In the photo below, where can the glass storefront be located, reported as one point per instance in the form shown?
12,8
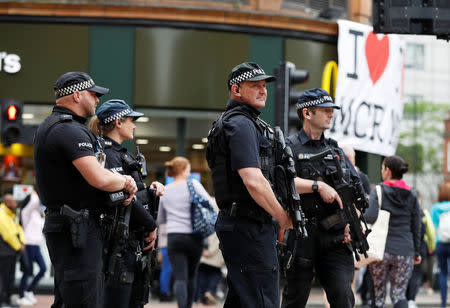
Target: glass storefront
176,77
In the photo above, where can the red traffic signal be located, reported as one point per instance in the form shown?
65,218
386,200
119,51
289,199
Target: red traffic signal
11,121
11,112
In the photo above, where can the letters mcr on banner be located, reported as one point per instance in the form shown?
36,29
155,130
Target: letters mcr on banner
369,89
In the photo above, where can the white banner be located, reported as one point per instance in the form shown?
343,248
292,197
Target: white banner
369,89
21,191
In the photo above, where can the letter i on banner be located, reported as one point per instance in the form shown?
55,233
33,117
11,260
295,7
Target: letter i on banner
369,89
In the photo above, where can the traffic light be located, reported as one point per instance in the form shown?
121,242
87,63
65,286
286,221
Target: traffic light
430,17
11,118
286,96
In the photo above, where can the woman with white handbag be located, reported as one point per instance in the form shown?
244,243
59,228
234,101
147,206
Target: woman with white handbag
402,248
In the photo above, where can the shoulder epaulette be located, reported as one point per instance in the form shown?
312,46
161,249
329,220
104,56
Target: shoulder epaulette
65,117
293,139
55,120
240,110
333,142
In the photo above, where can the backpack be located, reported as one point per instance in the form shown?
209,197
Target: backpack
443,230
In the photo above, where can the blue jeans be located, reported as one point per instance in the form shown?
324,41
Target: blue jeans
443,256
207,280
166,272
32,254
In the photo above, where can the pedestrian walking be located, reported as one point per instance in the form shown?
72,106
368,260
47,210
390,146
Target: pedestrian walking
184,248
440,214
12,243
402,249
33,223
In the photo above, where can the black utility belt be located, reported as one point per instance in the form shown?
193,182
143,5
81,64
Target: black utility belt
248,210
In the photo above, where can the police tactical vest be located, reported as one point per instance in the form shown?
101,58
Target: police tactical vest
87,196
228,185
321,169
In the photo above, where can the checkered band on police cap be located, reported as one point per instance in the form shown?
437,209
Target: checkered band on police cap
84,85
315,97
246,75
71,82
115,116
323,99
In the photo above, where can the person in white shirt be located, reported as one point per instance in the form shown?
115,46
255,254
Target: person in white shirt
32,222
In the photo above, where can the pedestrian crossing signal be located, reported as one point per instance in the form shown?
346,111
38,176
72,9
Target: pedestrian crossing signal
11,121
12,113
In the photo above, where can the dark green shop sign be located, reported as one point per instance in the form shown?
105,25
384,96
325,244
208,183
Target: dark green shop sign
9,62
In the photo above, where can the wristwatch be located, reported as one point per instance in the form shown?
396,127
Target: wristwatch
315,187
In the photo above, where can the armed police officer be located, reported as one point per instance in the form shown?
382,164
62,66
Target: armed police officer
239,155
125,229
325,251
72,183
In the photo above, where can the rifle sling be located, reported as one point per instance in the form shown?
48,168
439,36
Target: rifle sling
331,221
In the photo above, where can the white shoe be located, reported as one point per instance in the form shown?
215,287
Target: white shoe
23,301
30,296
412,304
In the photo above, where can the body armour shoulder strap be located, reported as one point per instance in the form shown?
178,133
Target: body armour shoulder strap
259,124
52,121
295,143
263,127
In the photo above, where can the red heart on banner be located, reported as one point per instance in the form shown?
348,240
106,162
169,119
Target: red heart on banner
377,55
25,189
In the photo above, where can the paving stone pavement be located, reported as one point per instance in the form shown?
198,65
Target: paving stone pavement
424,299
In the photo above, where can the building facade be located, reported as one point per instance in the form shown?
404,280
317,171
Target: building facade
168,59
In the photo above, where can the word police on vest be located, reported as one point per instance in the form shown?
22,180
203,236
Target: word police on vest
84,144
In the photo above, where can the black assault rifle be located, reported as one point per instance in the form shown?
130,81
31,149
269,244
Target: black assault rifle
353,198
146,260
284,187
118,233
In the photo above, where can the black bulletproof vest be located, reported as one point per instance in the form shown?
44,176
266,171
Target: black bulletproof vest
321,169
228,185
57,180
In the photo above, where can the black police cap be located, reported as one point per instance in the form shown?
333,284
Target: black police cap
70,82
114,109
247,71
315,97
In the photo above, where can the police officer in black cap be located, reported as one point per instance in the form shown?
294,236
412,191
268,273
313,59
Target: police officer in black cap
114,121
239,155
324,252
71,182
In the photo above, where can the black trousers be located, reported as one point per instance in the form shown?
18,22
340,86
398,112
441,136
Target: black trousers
78,272
120,296
332,263
7,271
414,283
249,250
185,251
